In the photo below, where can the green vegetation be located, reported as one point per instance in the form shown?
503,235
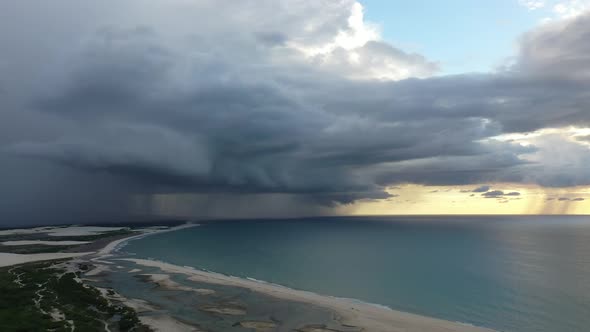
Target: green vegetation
33,293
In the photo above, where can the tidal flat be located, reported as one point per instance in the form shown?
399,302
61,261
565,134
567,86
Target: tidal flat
213,307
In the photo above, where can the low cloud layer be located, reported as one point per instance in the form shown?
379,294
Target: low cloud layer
188,97
481,189
566,199
500,194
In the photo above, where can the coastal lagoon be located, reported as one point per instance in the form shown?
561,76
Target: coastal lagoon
506,273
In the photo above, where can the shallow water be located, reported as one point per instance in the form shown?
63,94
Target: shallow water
506,273
186,306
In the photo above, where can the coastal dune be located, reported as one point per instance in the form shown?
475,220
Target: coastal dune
370,317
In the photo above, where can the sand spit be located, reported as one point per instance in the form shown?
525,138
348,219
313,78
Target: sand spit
258,326
224,309
203,291
163,323
370,317
39,242
83,230
315,328
7,259
164,281
109,248
61,230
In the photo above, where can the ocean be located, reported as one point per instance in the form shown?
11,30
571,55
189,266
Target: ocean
507,273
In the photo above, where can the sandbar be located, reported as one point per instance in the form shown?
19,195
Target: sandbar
353,313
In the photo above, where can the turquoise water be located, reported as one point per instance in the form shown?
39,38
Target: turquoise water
186,306
507,273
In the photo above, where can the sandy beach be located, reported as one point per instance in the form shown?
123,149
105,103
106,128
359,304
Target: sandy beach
370,317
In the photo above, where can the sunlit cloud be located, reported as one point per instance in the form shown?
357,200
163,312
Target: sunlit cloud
511,199
532,4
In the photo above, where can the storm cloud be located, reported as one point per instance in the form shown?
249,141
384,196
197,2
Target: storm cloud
264,98
481,189
500,194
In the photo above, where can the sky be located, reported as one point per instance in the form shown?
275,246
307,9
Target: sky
120,110
483,33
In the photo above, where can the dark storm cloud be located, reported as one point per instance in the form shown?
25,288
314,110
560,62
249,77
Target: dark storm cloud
186,97
515,102
236,135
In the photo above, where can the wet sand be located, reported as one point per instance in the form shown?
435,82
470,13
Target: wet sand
363,315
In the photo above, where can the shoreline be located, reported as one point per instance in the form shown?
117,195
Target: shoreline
351,312
371,317
119,243
12,259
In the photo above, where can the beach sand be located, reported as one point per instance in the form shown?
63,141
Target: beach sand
163,323
164,281
111,246
8,259
370,317
39,242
